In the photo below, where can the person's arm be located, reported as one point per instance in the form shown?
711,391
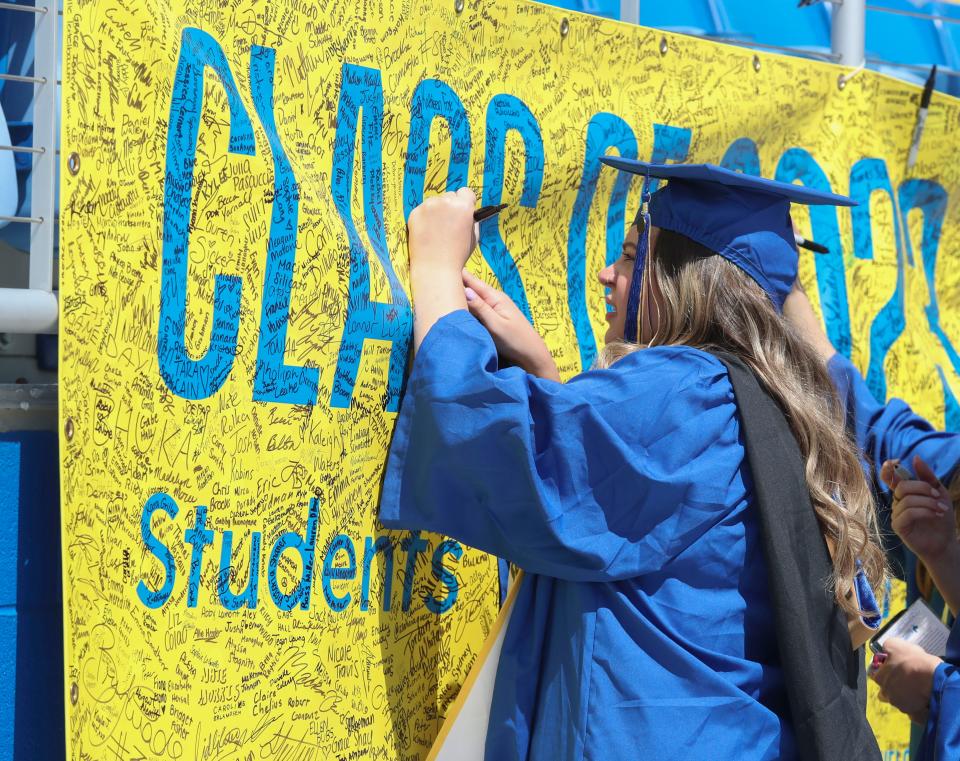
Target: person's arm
927,690
441,235
941,740
905,677
883,430
607,476
440,238
924,517
945,571
515,338
798,311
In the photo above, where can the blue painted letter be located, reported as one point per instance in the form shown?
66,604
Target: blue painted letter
274,380
867,176
669,144
797,164
506,113
362,89
447,578
341,542
149,597
200,537
742,156
414,546
291,540
931,199
185,376
431,99
248,598
604,131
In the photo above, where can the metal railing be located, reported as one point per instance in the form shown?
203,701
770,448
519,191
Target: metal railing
914,14
34,309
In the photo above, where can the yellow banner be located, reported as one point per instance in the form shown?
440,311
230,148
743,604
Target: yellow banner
236,320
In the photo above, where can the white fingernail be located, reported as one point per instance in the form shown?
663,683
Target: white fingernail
471,294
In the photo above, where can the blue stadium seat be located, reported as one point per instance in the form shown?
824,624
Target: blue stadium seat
903,39
16,103
17,47
8,175
606,8
950,37
781,23
687,16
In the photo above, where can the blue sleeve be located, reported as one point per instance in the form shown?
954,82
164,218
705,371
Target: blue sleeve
604,477
892,430
941,738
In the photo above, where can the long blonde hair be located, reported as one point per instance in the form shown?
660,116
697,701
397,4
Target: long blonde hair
710,304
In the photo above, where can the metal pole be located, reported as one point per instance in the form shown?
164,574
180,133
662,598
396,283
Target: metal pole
848,31
43,178
630,11
23,310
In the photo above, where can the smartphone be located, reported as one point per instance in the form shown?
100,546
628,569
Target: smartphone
902,473
917,624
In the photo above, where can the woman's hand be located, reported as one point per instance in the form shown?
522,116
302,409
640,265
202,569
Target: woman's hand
516,339
440,238
923,514
441,233
906,678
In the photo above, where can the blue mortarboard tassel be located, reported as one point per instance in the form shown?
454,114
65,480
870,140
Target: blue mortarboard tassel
866,599
631,330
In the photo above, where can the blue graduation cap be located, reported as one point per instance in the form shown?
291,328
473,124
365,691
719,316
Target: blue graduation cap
743,218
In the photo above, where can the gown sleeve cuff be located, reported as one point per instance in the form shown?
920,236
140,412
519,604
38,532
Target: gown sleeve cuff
448,346
456,344
936,696
839,368
890,429
845,378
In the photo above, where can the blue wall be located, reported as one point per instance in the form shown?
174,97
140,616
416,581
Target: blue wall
31,629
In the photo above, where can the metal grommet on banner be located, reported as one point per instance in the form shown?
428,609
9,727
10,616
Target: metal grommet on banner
68,429
564,28
74,693
73,163
458,6
663,46
756,63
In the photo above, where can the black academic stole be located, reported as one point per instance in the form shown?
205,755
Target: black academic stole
824,676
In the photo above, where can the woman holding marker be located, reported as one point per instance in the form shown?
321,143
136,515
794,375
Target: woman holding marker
690,517
923,517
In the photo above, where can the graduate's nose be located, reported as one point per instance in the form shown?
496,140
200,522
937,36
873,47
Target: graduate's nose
605,276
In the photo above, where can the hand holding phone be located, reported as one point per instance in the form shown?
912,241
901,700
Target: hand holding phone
917,624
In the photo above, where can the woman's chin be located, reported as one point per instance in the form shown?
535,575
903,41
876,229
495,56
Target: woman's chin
614,332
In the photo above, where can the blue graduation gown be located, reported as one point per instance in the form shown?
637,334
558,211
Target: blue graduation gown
888,431
891,430
643,628
941,738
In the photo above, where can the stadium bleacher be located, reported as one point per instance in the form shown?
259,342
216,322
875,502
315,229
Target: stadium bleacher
904,38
